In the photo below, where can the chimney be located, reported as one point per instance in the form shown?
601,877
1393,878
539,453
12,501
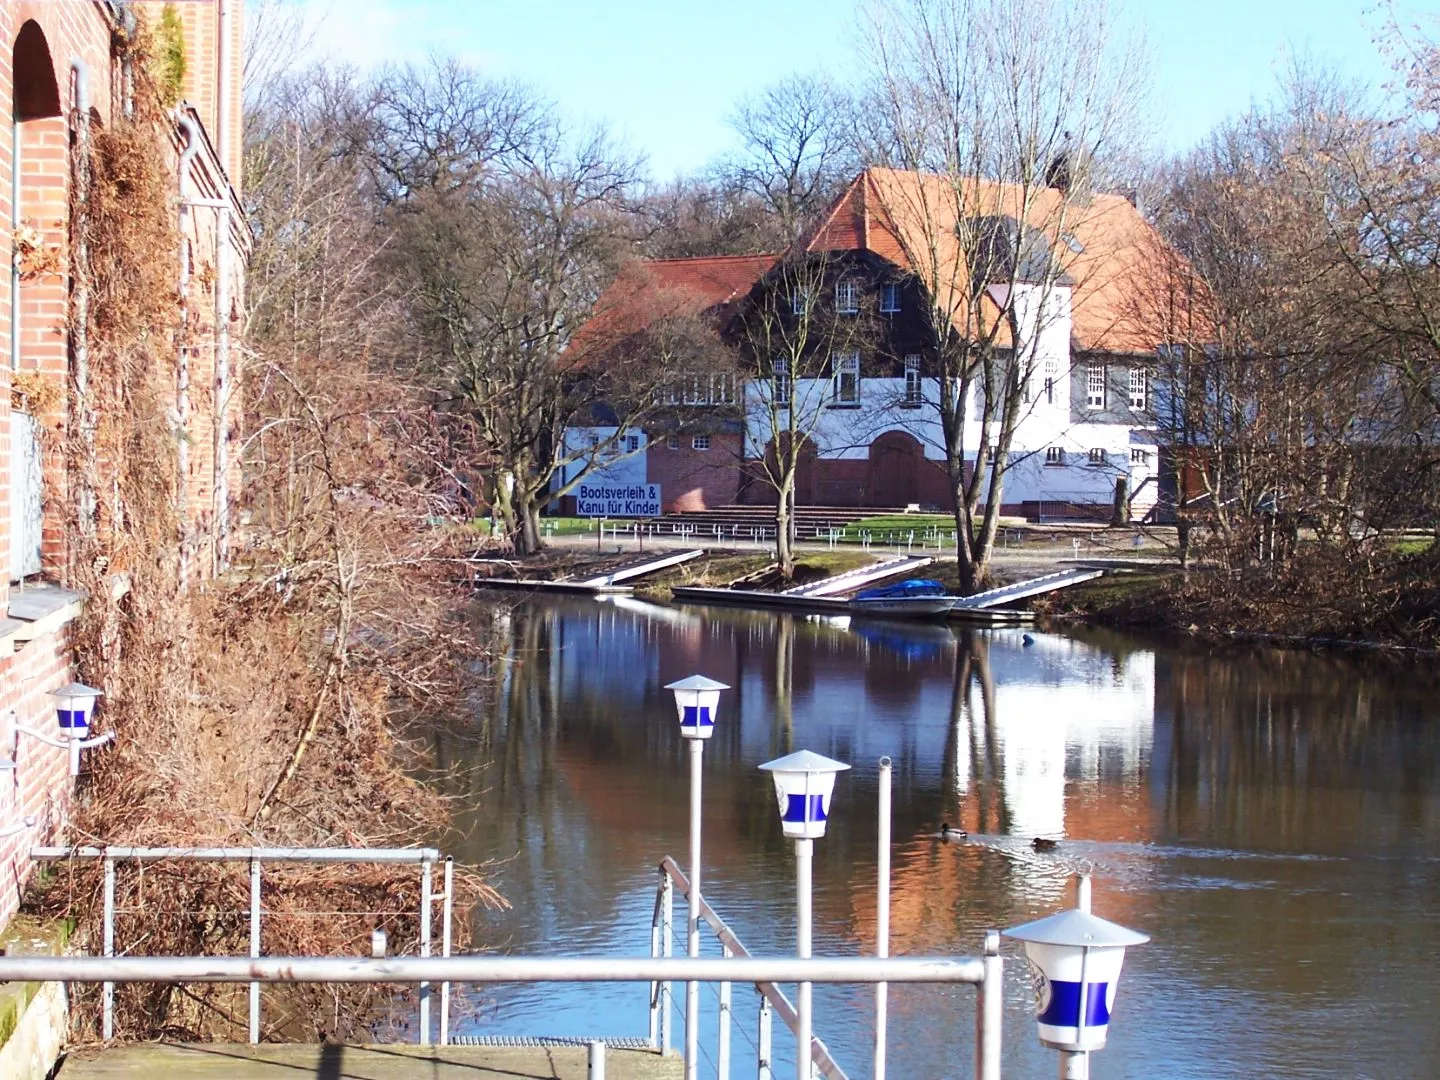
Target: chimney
1057,173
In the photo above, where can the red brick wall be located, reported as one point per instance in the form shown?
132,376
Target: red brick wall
80,29
695,479
40,784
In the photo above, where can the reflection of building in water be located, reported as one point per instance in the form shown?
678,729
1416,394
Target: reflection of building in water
1056,709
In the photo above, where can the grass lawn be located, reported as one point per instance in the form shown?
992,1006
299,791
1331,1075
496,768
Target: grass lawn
919,522
1414,546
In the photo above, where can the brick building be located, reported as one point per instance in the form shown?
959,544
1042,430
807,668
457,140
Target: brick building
64,75
1069,301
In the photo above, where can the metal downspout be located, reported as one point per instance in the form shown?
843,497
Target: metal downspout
182,350
221,520
225,62
82,414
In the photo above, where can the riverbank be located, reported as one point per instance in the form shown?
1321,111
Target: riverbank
1397,606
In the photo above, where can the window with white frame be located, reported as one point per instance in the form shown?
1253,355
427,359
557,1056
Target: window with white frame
799,301
700,442
1052,376
890,297
1054,455
780,385
1139,388
847,296
912,380
846,390
1098,456
673,442
1138,456
1095,386
632,443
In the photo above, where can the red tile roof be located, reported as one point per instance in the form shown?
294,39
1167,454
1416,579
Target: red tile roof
648,290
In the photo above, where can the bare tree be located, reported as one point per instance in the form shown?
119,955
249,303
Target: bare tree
1006,112
797,338
506,227
798,149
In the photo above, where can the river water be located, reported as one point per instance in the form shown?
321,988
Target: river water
1271,819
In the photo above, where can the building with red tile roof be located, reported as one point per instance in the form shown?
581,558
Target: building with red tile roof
893,241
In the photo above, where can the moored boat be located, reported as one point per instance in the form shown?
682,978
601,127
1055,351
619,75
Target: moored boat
915,598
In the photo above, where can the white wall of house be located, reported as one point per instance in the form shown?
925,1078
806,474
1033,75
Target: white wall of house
600,460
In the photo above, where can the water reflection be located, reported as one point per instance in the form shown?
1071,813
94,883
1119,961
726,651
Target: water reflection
1271,820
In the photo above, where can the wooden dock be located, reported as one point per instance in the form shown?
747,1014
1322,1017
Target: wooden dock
294,1061
606,584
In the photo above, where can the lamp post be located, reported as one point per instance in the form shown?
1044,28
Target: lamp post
697,700
73,707
1075,959
804,782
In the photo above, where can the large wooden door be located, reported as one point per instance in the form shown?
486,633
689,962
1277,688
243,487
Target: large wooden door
895,459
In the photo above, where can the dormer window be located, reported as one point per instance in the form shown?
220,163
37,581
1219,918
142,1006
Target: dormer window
890,297
847,296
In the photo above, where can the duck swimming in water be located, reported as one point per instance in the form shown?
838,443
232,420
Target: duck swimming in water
950,833
1044,843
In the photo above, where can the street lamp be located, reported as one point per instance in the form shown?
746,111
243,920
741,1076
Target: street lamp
74,705
697,700
804,782
1075,959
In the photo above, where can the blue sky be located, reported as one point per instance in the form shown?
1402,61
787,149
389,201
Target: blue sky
664,75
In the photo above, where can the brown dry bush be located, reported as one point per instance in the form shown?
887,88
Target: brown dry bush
259,708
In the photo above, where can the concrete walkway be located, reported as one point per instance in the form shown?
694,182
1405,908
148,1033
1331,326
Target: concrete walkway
295,1061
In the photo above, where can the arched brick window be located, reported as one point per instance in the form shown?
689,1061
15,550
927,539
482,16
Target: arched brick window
38,198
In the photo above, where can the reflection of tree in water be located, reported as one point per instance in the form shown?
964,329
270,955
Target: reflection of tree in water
975,800
1271,743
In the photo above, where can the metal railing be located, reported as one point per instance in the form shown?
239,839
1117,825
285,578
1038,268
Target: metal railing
256,857
661,969
984,973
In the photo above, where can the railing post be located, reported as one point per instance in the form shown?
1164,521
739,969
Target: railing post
425,949
595,1060
722,1052
107,1008
446,938
667,927
763,1070
655,954
882,915
254,946
991,1012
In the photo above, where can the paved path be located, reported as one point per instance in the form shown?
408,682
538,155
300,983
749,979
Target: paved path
295,1061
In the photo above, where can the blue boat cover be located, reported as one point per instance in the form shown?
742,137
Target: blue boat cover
913,588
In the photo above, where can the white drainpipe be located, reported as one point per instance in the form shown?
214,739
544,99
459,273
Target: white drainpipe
83,414
222,98
182,352
222,300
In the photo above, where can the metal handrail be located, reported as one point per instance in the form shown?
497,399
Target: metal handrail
772,994
256,856
489,969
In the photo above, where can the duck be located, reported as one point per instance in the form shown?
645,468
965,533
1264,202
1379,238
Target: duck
950,833
1044,843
